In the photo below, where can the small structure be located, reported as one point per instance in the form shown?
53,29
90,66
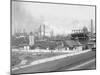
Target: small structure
73,45
24,47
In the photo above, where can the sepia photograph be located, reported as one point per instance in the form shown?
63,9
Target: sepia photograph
52,37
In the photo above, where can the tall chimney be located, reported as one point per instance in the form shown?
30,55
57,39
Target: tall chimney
44,30
40,31
52,33
91,26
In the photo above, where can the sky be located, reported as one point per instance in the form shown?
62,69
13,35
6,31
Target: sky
60,19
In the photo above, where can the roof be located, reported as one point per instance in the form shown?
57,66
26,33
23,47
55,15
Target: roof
22,45
91,42
72,43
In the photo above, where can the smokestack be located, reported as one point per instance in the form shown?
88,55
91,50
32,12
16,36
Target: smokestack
91,26
44,29
52,33
40,31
